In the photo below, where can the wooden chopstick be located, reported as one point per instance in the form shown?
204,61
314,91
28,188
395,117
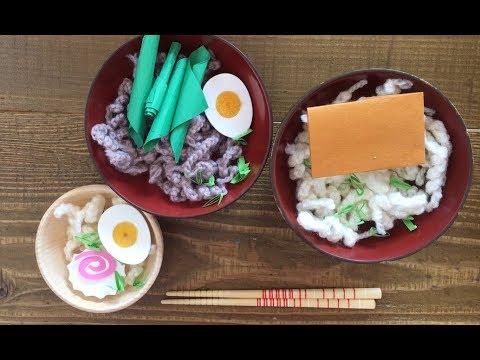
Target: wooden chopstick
297,303
331,293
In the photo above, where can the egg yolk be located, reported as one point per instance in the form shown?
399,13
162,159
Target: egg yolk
228,104
125,234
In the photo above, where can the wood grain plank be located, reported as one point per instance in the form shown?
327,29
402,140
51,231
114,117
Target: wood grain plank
291,65
51,73
243,246
54,73
247,245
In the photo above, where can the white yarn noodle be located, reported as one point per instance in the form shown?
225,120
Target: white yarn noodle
319,199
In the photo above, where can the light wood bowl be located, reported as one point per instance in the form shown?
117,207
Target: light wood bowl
51,239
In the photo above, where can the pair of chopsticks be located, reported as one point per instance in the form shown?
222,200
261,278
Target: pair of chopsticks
331,298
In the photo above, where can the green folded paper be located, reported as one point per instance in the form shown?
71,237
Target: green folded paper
163,121
157,94
191,101
142,83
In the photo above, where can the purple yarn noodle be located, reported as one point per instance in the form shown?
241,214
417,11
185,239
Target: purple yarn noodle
205,152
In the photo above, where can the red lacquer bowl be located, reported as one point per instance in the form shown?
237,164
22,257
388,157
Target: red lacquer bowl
136,189
401,242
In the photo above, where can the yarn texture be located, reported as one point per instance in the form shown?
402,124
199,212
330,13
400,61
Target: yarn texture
206,152
321,199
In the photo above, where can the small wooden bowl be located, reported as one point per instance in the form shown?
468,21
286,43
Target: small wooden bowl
51,239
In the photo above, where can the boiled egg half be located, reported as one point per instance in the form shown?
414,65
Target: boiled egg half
124,233
230,109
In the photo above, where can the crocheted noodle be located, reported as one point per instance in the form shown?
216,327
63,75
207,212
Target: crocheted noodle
206,152
320,200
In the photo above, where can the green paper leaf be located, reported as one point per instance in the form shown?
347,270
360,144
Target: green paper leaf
241,162
408,223
237,178
162,122
91,240
243,171
399,183
215,200
191,100
119,281
307,163
137,283
240,138
142,83
211,181
159,88
374,232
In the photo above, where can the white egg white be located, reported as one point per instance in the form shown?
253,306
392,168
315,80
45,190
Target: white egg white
238,124
131,255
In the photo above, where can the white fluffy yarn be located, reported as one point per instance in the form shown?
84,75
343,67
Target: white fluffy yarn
80,220
320,198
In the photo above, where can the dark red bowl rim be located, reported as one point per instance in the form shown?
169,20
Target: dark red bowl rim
308,95
265,158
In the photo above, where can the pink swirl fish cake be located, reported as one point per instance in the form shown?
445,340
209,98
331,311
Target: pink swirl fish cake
93,273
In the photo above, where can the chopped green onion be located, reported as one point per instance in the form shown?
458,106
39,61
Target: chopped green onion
374,232
91,240
355,182
211,181
358,210
198,177
216,199
240,138
119,281
137,283
344,210
399,183
352,225
408,223
307,163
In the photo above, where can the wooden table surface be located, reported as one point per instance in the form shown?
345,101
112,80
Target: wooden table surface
44,81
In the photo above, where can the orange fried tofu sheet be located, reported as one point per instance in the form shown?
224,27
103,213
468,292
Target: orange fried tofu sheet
380,132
